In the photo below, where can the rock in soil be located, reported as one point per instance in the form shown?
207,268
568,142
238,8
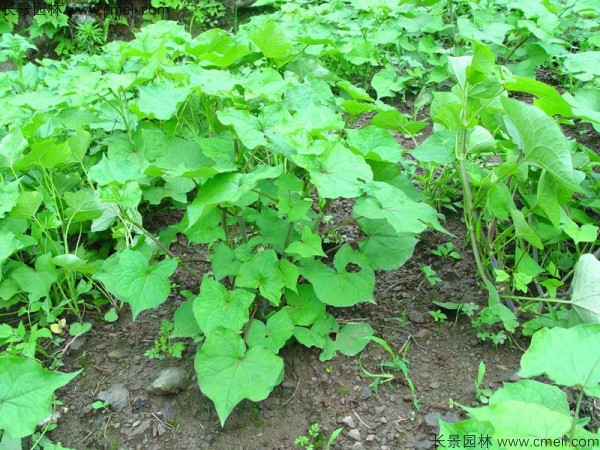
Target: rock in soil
349,420
169,381
117,397
355,434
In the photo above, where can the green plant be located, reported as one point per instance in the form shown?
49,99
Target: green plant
438,316
446,250
14,47
100,405
482,394
88,36
430,275
315,438
568,357
163,346
398,363
468,309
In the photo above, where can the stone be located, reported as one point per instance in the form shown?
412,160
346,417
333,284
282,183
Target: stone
367,393
169,381
355,434
116,354
416,316
431,419
434,384
370,438
116,395
349,420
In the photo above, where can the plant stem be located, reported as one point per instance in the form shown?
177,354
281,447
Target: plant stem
576,416
185,267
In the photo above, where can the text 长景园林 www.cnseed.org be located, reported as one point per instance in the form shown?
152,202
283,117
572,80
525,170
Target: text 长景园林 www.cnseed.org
40,8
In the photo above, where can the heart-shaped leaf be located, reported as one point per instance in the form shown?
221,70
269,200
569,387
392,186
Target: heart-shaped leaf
228,373
586,289
26,394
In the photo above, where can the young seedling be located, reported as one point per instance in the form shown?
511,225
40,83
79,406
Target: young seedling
430,275
482,394
163,346
100,405
438,316
446,251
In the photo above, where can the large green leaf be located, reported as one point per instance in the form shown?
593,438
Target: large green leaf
9,195
271,40
586,288
8,244
140,284
263,272
217,307
38,281
385,248
401,212
337,172
274,334
542,141
161,100
226,187
304,307
227,373
570,357
26,394
339,287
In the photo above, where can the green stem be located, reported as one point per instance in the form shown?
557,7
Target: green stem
536,299
576,416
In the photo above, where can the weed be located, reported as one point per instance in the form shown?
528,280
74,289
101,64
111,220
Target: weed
163,346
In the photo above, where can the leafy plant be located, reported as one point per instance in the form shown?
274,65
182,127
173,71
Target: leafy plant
315,438
446,250
100,405
482,394
568,357
397,364
438,316
430,275
163,346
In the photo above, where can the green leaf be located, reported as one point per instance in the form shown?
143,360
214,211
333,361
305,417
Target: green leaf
375,143
9,196
337,172
387,83
543,142
8,244
468,434
28,204
569,357
119,172
524,230
73,262
586,288
401,212
247,127
339,287
394,120
353,338
226,187
317,335
140,284
83,205
227,373
217,307
263,272
26,394
161,100
185,324
271,40
310,245
531,391
274,334
304,307
384,247
548,98
438,148
12,147
38,281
